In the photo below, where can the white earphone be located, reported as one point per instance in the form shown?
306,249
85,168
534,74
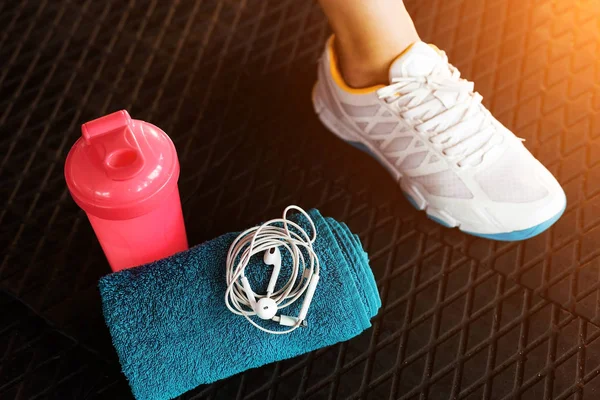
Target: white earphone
304,276
266,308
273,257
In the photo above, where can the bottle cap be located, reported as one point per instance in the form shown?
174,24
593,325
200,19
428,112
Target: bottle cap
121,168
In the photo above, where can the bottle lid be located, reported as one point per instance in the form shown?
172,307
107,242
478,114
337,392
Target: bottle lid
121,168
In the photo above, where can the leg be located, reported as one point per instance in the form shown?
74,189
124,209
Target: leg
369,35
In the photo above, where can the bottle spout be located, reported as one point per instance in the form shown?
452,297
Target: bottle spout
112,139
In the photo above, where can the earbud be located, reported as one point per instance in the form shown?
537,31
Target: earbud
266,308
273,257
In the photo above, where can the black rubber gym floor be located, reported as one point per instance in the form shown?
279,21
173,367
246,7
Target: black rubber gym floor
230,82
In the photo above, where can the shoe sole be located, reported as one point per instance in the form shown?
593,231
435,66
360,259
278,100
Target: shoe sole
331,123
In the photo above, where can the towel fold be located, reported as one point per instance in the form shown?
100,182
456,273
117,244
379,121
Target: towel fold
173,332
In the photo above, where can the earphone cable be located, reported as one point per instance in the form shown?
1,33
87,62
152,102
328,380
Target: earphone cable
291,238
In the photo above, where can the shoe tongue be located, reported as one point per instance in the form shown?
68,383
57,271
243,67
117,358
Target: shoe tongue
418,60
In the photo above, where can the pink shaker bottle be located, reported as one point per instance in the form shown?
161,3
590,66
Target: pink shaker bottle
124,173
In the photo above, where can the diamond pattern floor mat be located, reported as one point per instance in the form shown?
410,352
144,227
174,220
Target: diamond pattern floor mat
37,361
230,82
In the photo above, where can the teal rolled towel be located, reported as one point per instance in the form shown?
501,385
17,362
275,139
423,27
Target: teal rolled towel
173,332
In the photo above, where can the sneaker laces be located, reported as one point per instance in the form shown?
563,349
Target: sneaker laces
462,128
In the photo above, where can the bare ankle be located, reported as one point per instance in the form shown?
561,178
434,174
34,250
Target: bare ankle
370,66
360,75
369,35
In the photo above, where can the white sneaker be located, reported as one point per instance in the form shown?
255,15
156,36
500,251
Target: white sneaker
452,158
